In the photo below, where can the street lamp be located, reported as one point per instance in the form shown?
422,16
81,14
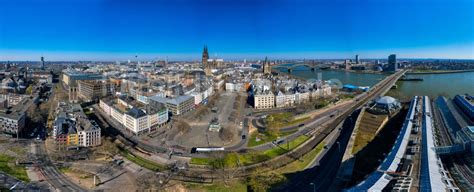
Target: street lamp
314,186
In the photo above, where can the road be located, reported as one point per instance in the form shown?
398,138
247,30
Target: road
243,142
322,171
323,175
51,173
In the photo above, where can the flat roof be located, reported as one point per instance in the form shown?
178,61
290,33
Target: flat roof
172,100
430,176
17,110
471,128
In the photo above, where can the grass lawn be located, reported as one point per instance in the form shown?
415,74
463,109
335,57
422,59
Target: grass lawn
141,161
200,161
7,165
234,159
235,186
293,144
18,150
64,169
304,161
285,119
265,137
252,158
361,140
346,96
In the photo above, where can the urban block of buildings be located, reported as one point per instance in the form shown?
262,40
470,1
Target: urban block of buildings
134,116
286,93
72,128
13,117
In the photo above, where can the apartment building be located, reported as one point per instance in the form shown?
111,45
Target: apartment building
134,116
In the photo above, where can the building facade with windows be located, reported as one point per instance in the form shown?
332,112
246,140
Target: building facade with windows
91,90
72,128
264,100
12,118
134,116
176,105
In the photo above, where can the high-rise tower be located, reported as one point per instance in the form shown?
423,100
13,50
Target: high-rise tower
392,62
42,62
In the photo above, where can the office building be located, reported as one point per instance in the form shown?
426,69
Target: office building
42,63
392,63
466,104
134,116
12,119
90,90
70,77
176,105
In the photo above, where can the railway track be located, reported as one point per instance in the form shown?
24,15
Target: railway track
458,160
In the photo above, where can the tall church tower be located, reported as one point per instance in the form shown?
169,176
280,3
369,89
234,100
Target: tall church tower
267,69
205,64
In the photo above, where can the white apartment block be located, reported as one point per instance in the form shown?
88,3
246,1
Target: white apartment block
90,137
133,118
264,100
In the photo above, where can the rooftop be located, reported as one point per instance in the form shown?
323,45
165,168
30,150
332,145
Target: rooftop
172,100
136,113
17,111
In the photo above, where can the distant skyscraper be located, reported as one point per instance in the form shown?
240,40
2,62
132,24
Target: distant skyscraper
392,62
267,69
42,62
205,63
357,59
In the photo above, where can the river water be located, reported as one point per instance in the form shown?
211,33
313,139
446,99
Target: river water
433,85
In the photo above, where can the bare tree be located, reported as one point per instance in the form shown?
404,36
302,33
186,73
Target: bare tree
226,134
108,148
182,126
152,182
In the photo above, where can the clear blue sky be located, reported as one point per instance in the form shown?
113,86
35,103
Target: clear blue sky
178,29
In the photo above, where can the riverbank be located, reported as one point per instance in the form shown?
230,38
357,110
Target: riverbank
362,71
437,72
358,78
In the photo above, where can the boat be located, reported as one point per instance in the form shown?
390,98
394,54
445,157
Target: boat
411,79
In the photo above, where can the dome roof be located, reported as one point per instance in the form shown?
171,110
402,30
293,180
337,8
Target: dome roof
386,100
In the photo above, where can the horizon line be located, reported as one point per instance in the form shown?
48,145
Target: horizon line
241,59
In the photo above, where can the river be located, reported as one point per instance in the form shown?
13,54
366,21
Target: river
433,85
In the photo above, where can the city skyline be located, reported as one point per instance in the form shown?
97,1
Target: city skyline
107,31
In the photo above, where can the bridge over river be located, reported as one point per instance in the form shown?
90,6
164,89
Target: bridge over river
311,66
